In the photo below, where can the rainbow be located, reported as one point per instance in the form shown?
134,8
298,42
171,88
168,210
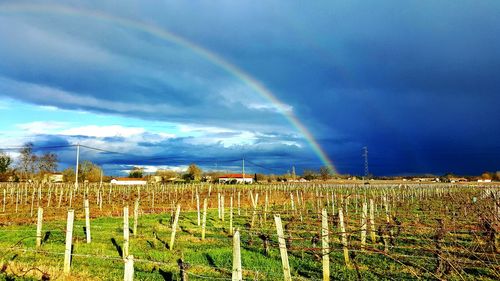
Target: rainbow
206,54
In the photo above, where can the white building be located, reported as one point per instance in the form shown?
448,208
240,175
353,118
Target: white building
129,181
236,178
481,180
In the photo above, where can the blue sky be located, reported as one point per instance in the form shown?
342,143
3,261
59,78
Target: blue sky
415,81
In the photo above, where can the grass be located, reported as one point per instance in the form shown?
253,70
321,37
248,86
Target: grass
212,258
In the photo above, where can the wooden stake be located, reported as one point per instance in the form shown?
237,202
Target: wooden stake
237,271
363,225
174,227
4,199
87,219
372,222
204,219
198,207
344,238
39,228
239,205
325,246
218,205
231,215
129,269
283,252
136,216
222,207
69,241
126,232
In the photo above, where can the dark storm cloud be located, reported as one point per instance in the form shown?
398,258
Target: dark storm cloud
415,81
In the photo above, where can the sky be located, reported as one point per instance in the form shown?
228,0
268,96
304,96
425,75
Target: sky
281,84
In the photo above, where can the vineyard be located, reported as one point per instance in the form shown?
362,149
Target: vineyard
289,231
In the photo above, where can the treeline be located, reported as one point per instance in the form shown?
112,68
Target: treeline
195,174
31,166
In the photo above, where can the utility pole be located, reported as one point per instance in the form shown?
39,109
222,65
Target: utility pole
365,155
76,169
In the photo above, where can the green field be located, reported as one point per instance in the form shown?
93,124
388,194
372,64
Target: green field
429,232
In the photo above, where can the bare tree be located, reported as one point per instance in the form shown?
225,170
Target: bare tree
27,160
47,163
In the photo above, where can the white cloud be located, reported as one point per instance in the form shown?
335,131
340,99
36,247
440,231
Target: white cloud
48,108
152,169
190,128
104,131
41,127
278,108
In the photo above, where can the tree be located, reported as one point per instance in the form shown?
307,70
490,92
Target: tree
69,174
309,174
47,163
5,162
325,172
486,176
27,159
89,171
193,172
167,174
136,172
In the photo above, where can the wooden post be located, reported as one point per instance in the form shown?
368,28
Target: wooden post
198,207
69,241
4,199
129,269
136,216
344,238
204,219
239,205
100,199
333,203
218,205
237,271
372,222
49,197
283,252
39,228
266,205
126,232
231,215
70,197
174,227
255,204
363,225
32,201
153,200
60,198
17,198
222,207
325,246
87,219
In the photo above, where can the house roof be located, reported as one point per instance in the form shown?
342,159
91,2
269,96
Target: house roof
130,179
235,176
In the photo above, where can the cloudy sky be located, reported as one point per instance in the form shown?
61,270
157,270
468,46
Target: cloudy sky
167,83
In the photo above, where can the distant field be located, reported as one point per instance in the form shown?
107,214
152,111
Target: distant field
422,231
